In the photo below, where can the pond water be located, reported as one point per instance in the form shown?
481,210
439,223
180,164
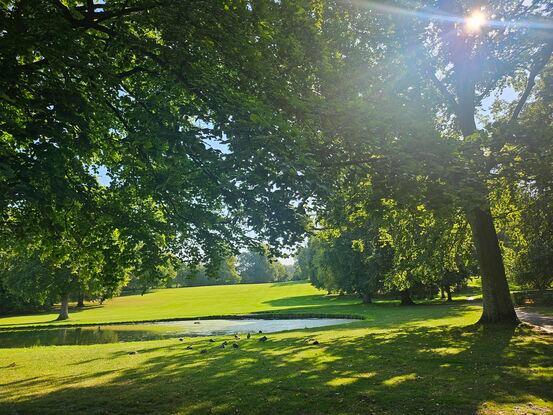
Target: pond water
114,333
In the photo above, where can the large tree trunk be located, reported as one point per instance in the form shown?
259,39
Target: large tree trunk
64,307
405,297
498,306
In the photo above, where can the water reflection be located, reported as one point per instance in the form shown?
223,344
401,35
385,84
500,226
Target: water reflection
153,331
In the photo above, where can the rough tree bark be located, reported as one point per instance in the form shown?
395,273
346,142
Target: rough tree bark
497,303
64,307
498,307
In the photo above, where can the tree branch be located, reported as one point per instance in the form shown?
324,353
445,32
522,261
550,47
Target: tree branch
449,97
541,57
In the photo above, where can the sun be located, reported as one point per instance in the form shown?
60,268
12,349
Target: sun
475,21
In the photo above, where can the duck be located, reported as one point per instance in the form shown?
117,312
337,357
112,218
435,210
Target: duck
211,340
236,336
189,347
181,339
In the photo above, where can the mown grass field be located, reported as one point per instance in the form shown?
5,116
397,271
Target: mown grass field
191,302
399,360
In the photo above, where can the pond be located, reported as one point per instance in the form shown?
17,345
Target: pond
113,333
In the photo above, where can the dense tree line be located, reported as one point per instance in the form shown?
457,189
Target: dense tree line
247,268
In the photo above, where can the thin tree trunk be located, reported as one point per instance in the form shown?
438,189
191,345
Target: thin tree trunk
497,303
442,293
80,300
448,291
405,296
64,307
366,298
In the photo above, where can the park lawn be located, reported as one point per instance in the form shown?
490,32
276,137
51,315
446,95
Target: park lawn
191,302
290,297
398,360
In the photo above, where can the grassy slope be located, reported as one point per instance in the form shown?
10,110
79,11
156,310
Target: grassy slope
419,359
189,302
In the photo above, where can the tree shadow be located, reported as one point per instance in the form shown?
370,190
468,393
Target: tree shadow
397,371
53,310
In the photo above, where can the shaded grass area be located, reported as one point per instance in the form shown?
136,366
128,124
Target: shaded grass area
414,367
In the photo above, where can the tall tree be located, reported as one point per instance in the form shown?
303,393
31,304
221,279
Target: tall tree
173,103
405,85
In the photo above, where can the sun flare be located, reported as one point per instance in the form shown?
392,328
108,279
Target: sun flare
475,21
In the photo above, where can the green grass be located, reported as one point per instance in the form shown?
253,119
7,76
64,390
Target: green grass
192,302
400,360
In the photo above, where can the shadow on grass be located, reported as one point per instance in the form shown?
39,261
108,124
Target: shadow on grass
53,310
423,370
382,314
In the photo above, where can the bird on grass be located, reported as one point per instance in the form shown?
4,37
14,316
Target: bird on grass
222,346
236,336
211,341
189,347
235,346
225,342
133,352
263,339
315,342
248,336
260,331
181,339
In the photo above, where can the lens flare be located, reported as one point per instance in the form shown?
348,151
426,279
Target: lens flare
475,21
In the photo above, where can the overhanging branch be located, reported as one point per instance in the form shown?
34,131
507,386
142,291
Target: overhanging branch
541,57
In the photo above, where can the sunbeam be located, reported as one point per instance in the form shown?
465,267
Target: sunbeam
471,23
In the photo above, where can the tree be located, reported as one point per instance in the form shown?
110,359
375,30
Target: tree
75,249
191,276
357,266
411,86
429,249
174,102
256,267
524,200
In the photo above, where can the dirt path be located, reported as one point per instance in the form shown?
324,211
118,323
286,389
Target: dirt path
545,322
